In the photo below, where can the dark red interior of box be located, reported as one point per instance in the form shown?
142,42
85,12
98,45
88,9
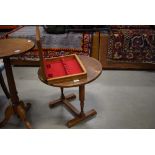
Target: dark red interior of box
62,67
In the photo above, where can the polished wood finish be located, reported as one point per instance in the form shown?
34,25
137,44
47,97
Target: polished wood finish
94,69
59,101
12,47
81,98
40,50
16,106
80,118
95,45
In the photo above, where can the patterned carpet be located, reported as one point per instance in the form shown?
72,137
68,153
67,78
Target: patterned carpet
132,46
54,44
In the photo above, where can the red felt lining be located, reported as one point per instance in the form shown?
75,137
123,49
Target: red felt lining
63,66
72,66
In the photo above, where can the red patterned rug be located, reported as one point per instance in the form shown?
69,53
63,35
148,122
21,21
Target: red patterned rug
55,52
132,46
56,45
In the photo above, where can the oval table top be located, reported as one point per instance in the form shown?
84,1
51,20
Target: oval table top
93,68
14,46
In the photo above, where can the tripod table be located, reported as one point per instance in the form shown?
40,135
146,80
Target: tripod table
9,48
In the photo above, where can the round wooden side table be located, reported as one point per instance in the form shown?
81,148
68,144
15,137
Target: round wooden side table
94,69
8,48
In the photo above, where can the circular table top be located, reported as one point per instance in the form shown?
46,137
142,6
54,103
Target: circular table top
12,47
93,68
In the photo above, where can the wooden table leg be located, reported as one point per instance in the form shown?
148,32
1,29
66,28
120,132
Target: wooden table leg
82,98
62,97
62,93
82,115
8,113
17,107
78,116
